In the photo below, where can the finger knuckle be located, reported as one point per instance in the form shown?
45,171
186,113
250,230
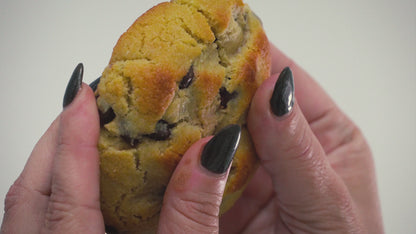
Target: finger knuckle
345,132
58,210
302,146
335,130
354,148
64,213
200,209
14,196
357,144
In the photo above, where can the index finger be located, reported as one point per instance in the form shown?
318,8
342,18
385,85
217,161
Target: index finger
310,96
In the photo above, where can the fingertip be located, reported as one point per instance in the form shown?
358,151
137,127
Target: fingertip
187,165
84,95
190,174
74,85
195,192
80,120
219,152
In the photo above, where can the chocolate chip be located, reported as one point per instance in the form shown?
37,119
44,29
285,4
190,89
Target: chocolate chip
106,117
132,141
162,131
226,97
187,79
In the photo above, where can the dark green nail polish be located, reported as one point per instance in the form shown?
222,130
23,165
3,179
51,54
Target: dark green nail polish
95,83
283,95
74,85
219,151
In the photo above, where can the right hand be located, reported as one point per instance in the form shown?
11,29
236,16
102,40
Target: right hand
317,173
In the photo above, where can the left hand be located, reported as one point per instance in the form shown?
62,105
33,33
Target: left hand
58,190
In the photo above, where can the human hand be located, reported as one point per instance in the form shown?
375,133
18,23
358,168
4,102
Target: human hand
317,173
58,190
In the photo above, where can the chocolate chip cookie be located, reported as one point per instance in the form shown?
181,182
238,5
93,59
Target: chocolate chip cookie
184,70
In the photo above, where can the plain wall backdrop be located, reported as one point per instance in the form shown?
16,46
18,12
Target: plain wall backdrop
362,52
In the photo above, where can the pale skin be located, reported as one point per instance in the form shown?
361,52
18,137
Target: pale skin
317,174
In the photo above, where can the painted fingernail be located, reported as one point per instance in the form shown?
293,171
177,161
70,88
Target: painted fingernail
219,151
74,85
283,95
95,83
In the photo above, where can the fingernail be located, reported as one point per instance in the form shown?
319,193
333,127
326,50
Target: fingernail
283,95
219,151
74,85
95,83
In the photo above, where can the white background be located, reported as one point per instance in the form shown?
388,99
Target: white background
362,52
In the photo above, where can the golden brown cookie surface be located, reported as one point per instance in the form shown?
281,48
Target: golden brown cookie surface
182,71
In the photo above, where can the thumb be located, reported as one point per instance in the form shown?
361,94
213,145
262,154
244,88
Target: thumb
194,194
306,186
74,205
